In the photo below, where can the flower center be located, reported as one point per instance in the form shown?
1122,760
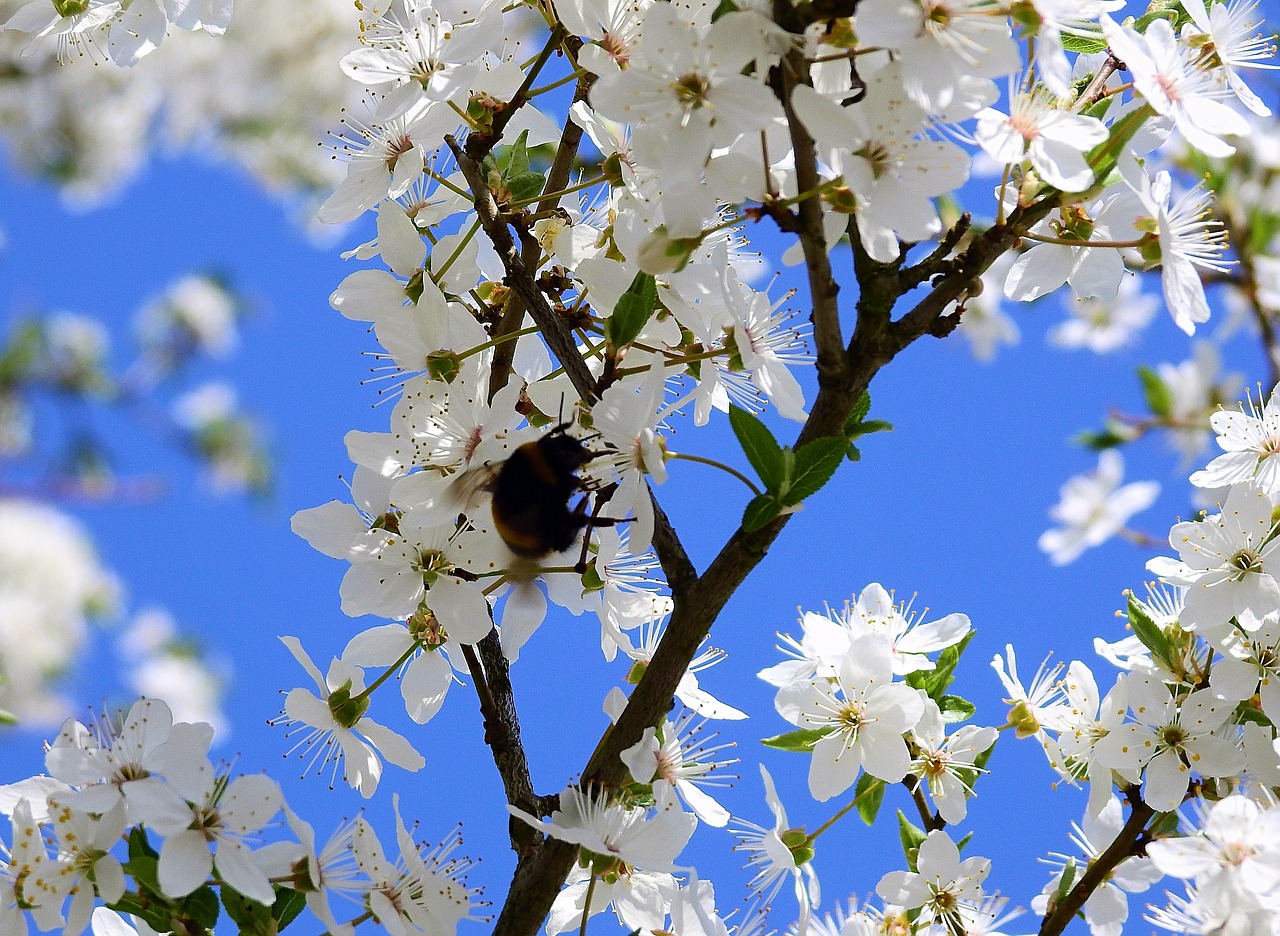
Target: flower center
691,90
1236,852
397,147
1246,561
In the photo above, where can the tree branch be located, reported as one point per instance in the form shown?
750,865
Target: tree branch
1126,845
520,278
557,180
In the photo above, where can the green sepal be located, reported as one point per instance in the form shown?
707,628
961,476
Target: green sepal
1159,397
869,794
800,741
443,365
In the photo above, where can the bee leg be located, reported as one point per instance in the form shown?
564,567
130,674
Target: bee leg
589,523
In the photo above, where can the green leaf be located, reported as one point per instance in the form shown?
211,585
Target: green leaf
1164,825
956,709
981,760
201,905
1151,634
1159,397
1102,158
760,447
868,427
1083,45
911,836
251,917
516,159
634,309
859,411
762,510
143,864
1098,109
816,462
1148,18
869,794
934,682
159,916
525,185
800,741
1064,883
1245,712
1099,441
289,903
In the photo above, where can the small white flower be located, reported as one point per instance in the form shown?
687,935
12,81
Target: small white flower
340,733
864,715
948,891
1094,507
779,853
1226,561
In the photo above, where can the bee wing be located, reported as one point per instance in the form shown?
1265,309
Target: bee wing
466,492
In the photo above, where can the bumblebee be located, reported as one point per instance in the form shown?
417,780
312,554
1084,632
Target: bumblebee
531,491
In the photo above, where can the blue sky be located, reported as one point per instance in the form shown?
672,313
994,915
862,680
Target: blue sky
949,506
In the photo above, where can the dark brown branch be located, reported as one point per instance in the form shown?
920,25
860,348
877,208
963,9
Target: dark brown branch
1247,283
480,144
843,375
932,821
520,277
557,181
823,289
1126,845
937,262
502,735
924,317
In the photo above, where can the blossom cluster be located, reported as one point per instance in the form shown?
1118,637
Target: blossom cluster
260,95
51,584
133,813
548,318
